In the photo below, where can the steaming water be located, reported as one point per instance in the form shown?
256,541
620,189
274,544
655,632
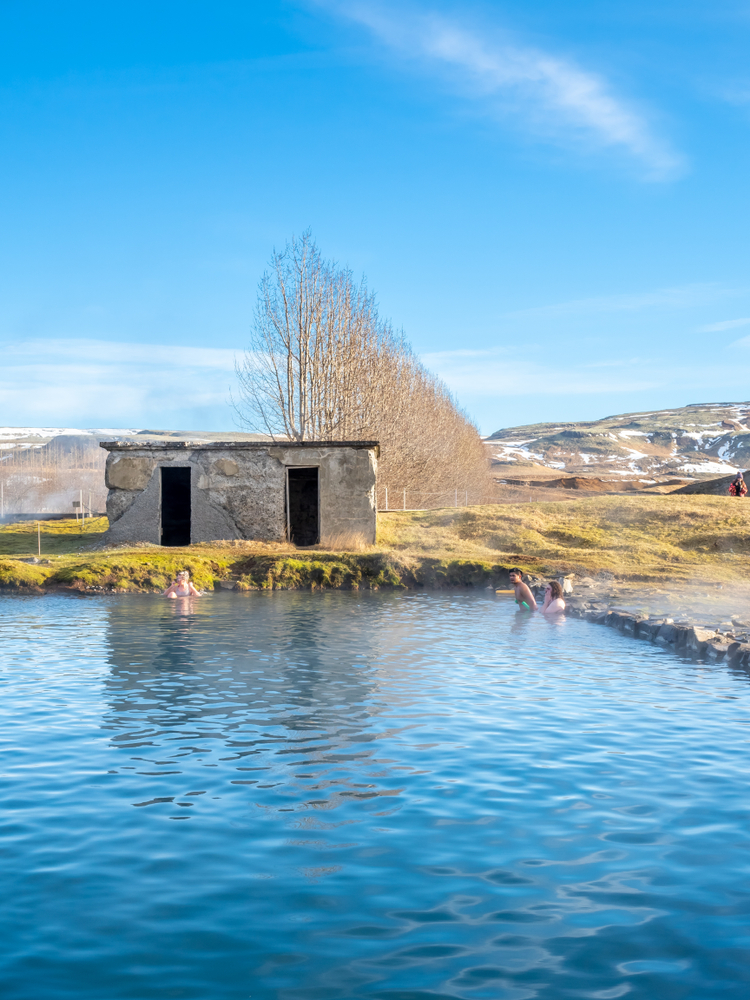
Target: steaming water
306,797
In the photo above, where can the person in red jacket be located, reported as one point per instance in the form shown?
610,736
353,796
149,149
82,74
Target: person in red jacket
737,487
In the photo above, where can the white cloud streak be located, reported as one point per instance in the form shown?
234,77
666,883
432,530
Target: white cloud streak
737,94
99,383
106,352
503,374
727,324
556,97
680,297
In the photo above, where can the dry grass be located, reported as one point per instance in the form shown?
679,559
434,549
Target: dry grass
635,538
345,541
661,539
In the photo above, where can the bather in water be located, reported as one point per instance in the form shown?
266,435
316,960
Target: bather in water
182,586
553,599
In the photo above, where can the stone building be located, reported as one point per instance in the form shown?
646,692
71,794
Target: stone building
179,492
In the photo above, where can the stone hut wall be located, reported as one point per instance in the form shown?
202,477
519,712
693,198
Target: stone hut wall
238,490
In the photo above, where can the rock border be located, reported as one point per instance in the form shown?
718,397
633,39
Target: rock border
693,641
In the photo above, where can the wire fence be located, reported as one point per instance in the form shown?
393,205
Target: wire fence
44,479
399,499
37,480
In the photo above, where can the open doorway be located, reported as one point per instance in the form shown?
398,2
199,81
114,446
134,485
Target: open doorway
175,506
303,506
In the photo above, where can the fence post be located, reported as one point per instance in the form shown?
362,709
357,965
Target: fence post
386,498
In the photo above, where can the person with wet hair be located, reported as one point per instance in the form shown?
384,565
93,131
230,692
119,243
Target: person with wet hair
553,599
524,597
182,586
737,487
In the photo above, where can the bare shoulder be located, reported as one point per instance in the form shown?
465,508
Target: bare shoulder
555,607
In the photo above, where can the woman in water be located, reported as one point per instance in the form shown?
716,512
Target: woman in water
182,587
553,599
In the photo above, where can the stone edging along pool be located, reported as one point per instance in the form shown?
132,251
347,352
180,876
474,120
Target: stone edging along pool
692,641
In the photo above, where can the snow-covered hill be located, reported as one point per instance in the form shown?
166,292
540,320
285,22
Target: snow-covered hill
14,437
701,441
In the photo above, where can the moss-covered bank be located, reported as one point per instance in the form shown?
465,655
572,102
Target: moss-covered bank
640,538
147,572
70,560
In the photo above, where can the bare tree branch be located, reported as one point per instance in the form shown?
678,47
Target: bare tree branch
322,365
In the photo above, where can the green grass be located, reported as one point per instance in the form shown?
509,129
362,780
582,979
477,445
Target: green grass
57,537
636,538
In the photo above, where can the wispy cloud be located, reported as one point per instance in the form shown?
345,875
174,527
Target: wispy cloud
680,297
504,373
727,324
556,97
499,373
100,383
72,351
737,93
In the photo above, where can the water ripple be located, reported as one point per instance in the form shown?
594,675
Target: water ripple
402,796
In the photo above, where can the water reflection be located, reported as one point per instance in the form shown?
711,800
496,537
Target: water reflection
380,796
521,621
233,682
274,658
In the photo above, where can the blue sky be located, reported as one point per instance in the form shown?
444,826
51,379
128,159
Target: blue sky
551,200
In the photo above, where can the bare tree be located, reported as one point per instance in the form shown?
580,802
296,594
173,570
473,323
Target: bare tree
301,377
322,365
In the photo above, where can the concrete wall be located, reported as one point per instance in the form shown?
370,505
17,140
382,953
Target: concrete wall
238,490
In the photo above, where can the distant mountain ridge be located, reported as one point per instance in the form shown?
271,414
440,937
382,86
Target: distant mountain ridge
39,437
700,441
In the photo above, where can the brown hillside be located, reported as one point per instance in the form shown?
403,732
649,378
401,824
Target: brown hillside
709,487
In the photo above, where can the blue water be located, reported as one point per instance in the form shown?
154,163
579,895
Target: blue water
313,796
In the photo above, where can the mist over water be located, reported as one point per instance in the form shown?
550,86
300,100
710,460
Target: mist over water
343,795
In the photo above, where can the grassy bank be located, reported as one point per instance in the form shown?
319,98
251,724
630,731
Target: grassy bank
639,538
60,537
74,560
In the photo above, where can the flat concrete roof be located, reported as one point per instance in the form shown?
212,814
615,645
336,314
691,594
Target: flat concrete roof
224,445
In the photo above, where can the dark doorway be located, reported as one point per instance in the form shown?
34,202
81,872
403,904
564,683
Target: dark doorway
175,506
302,486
